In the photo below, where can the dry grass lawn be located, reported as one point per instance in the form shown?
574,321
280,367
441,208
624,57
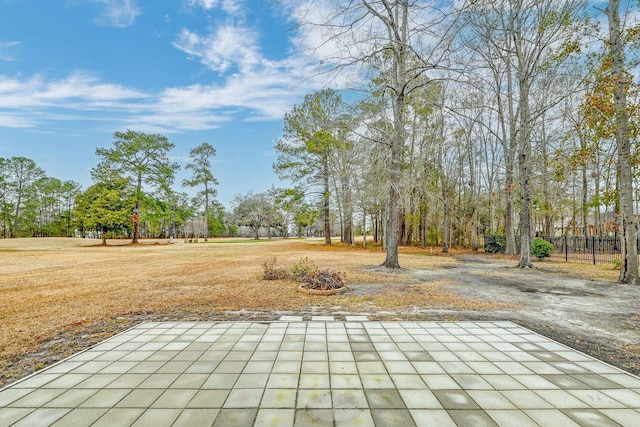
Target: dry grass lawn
49,287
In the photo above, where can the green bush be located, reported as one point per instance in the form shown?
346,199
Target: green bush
540,248
495,243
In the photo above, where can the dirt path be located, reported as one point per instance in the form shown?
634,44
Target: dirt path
609,310
599,318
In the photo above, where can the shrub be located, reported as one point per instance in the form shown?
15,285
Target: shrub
324,279
273,272
495,243
302,268
540,248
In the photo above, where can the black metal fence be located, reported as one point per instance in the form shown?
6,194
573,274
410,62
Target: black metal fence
590,249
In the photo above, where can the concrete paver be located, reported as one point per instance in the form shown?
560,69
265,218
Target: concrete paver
323,372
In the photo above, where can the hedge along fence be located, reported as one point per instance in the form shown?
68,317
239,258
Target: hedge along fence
590,249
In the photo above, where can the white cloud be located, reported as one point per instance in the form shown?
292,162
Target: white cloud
15,121
79,88
6,50
233,49
205,4
254,96
118,13
30,102
89,88
252,83
35,101
230,46
316,43
232,7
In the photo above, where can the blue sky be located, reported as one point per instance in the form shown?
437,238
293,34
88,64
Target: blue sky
72,72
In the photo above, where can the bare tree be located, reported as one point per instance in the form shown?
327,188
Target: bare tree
629,249
526,38
255,211
397,42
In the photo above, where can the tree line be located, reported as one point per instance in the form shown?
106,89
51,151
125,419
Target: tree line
517,117
33,204
133,197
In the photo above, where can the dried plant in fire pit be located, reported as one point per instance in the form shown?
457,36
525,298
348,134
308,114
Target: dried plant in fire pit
313,280
326,282
302,269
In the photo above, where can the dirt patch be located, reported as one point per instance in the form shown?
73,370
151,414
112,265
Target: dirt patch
598,317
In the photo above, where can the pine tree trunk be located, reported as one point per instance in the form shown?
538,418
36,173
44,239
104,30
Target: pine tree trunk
206,212
136,222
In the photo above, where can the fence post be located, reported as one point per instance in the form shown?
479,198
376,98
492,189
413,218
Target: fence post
566,249
593,248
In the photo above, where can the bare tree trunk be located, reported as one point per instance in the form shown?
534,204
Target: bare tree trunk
629,249
402,227
475,197
524,164
364,228
400,81
525,212
548,213
585,193
393,213
347,208
509,141
136,212
445,225
374,224
325,201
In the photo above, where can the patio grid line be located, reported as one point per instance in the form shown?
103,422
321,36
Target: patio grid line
323,372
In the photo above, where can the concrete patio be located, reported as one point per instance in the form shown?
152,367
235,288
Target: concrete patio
326,373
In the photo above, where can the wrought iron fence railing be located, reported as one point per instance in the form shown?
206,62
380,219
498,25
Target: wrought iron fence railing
591,249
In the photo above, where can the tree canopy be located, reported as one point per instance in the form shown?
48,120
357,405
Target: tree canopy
143,159
106,206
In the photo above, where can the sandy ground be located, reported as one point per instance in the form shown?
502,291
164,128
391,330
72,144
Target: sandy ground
601,318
